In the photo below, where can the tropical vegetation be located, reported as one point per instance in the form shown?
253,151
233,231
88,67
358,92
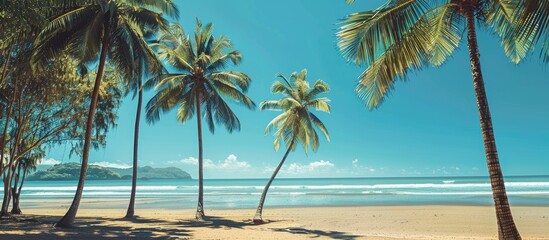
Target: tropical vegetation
201,86
65,67
407,35
296,124
94,31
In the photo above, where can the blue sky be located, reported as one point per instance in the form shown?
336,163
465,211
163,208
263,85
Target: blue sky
428,127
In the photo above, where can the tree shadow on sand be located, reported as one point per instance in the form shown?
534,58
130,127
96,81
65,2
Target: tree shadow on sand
317,233
41,227
215,222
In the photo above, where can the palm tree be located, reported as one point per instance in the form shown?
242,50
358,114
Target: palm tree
408,35
201,85
146,64
112,29
296,124
131,207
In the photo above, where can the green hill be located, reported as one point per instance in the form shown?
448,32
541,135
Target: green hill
71,171
148,172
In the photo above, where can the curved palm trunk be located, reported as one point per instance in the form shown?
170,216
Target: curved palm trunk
68,219
200,208
258,218
131,207
506,225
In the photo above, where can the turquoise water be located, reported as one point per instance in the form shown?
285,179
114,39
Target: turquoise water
245,193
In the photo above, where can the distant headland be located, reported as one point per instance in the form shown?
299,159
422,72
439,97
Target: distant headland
71,171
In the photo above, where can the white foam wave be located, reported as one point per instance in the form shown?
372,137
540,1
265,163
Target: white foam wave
100,188
445,185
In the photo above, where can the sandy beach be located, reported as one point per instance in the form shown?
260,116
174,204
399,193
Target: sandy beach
379,222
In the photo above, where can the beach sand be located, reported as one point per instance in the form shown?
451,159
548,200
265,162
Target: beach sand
375,222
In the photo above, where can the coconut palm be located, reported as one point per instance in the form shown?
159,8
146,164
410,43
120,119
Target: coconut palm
146,64
201,86
404,35
108,28
296,124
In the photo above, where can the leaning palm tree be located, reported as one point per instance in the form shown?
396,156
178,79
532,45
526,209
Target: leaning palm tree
105,28
201,86
296,124
404,35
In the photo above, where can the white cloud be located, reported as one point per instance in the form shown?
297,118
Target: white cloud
231,162
189,161
111,165
49,161
321,164
315,166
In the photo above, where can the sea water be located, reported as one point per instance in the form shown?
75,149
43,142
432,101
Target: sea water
245,193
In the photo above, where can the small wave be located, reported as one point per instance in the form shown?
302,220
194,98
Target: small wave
100,188
447,184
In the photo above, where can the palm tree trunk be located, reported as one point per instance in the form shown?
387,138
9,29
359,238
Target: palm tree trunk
258,218
68,219
200,208
131,207
506,225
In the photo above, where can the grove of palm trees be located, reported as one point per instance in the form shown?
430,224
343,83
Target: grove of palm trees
77,161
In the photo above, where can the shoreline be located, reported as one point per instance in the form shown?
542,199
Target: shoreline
159,203
345,222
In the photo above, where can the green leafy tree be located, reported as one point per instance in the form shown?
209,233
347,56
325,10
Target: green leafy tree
201,86
109,29
27,165
405,35
49,109
296,124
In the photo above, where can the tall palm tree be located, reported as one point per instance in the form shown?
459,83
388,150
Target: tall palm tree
112,29
404,35
131,207
146,64
296,124
201,85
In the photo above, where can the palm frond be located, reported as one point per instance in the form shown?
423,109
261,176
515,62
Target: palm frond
296,124
409,53
445,27
366,35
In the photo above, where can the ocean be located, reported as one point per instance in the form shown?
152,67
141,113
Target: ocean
245,193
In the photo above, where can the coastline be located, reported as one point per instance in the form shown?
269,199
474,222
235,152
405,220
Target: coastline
365,222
